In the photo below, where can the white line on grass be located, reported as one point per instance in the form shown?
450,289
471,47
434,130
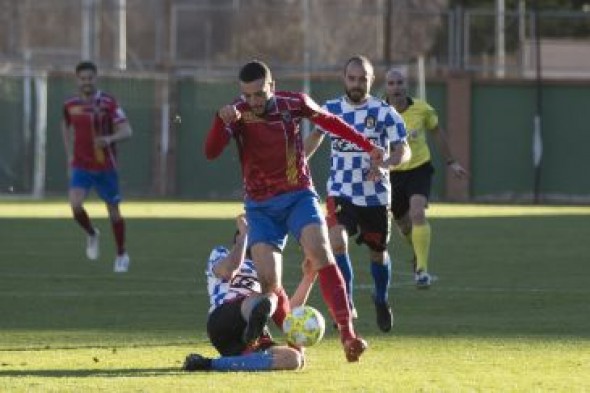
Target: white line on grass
200,292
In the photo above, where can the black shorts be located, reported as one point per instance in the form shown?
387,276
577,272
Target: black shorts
404,184
225,328
373,222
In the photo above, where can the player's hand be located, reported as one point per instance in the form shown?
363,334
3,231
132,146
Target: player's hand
242,224
458,171
102,141
374,173
229,114
377,155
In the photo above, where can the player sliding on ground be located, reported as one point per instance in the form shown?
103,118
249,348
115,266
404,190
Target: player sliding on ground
238,315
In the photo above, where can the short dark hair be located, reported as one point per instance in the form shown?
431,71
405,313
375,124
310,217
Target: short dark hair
360,60
255,70
86,65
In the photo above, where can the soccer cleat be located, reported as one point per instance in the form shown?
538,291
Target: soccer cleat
92,245
423,279
257,321
354,348
196,362
384,316
121,263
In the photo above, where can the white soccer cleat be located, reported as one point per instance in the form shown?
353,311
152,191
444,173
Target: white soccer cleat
121,263
93,245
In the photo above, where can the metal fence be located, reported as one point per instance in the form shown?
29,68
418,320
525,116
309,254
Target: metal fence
213,36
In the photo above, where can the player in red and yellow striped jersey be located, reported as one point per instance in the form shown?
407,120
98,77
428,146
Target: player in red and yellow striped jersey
92,124
280,197
411,181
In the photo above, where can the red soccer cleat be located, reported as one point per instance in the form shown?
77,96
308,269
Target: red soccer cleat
354,348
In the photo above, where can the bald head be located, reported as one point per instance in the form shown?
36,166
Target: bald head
396,88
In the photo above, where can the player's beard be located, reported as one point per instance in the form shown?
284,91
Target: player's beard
88,90
397,98
356,96
260,110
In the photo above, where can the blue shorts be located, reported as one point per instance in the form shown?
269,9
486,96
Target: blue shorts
106,183
271,220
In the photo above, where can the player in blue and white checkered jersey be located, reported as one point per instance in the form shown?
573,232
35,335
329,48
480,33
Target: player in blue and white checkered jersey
358,193
238,316
350,165
243,284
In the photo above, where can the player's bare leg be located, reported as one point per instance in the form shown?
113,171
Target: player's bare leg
314,240
122,260
420,239
76,197
269,267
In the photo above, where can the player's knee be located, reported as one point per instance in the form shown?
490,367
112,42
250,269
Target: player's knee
339,248
285,358
294,361
77,207
379,257
269,286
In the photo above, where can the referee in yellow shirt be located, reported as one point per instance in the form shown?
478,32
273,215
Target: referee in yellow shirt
411,182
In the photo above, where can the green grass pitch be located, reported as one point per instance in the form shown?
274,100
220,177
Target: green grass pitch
510,311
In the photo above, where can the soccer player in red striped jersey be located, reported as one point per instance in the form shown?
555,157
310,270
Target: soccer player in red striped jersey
92,124
279,193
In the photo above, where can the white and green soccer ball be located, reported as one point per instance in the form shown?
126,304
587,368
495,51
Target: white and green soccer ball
304,326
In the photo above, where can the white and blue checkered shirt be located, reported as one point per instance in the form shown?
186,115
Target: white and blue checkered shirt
243,284
380,123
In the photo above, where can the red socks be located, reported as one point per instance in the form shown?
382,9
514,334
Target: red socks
283,307
333,291
119,233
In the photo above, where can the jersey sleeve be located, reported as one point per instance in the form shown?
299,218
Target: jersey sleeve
430,118
217,254
117,113
66,116
396,128
333,124
218,137
319,128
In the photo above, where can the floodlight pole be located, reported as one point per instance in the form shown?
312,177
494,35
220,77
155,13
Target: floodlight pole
306,57
537,132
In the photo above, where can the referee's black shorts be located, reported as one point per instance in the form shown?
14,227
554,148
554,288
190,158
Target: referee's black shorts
404,184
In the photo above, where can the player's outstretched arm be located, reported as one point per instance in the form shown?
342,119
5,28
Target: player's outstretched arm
400,154
335,125
442,144
312,142
299,297
66,133
228,266
217,138
122,132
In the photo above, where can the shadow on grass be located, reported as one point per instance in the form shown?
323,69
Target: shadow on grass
108,373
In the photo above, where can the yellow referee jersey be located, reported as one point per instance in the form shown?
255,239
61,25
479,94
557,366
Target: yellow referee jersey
419,118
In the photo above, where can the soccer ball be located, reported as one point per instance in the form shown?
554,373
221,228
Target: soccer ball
304,326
